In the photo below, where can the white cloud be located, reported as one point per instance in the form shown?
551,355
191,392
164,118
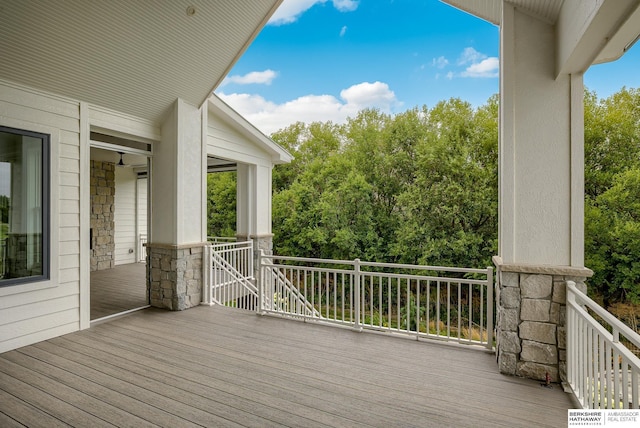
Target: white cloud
255,77
346,5
343,30
363,95
440,62
470,56
270,117
486,68
290,10
475,64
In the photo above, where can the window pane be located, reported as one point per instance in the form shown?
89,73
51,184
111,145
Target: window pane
23,206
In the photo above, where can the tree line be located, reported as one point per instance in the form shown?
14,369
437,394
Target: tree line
421,187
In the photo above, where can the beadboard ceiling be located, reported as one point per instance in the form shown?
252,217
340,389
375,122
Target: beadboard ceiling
491,10
135,57
616,44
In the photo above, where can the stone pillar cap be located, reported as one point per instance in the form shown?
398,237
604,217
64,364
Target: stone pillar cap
542,269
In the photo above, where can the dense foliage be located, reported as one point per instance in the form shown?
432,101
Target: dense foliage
612,194
417,187
221,204
420,187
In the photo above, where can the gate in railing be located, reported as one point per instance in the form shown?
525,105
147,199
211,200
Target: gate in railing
229,275
453,304
602,370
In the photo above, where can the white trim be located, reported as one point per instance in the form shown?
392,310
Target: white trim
85,218
119,148
576,107
54,208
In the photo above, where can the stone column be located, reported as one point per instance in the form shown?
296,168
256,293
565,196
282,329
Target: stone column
102,190
530,318
175,275
178,211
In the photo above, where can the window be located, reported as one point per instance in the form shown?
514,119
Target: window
24,206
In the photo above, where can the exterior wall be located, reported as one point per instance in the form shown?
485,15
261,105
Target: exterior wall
102,190
39,311
125,216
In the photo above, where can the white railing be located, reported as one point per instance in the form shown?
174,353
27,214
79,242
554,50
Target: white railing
453,304
221,239
3,257
602,371
285,294
229,275
142,254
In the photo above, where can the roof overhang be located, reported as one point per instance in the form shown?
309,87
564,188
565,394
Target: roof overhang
135,57
595,32
223,111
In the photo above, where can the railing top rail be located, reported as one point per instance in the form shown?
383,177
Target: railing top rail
310,268
231,245
441,279
625,330
378,264
425,267
216,239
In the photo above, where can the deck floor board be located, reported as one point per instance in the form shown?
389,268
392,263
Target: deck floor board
222,367
119,289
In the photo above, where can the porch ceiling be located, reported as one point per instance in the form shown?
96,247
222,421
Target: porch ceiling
491,10
616,32
130,56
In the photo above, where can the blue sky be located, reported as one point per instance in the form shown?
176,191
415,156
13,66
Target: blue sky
321,60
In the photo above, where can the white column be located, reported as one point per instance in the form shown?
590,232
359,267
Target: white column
541,148
253,207
177,179
178,233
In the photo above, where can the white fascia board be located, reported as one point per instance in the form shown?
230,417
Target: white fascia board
594,32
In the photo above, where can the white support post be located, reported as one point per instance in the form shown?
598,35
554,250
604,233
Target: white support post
357,293
490,308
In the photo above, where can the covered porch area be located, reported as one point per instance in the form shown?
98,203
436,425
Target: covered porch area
215,366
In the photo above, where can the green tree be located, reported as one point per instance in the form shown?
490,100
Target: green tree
612,201
450,210
221,204
612,242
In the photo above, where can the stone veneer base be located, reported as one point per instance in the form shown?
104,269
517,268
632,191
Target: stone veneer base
531,318
175,278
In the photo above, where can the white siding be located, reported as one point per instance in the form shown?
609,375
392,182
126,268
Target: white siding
38,311
223,141
141,206
125,216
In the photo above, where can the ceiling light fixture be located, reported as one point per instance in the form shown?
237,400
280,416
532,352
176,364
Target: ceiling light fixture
121,163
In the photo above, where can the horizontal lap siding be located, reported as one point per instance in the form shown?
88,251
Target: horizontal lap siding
125,216
225,142
34,312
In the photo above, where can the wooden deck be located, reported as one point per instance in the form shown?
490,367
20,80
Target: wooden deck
223,367
117,290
